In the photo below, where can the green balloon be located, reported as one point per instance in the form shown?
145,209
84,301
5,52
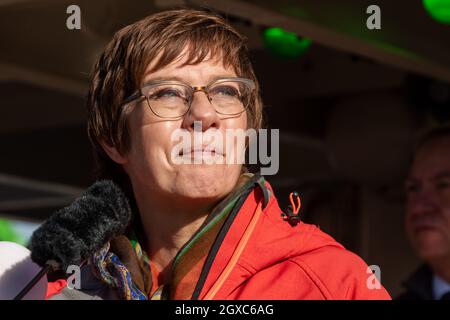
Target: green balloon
7,232
439,10
285,44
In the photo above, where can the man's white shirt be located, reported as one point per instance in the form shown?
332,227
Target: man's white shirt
440,287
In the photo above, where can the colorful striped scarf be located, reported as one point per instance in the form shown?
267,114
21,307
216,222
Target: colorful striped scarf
187,265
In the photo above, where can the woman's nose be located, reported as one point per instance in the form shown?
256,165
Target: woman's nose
201,110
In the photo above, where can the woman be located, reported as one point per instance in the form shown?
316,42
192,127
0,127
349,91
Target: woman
201,230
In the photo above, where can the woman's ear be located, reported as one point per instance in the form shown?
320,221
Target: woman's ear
113,153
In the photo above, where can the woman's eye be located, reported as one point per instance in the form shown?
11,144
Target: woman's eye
166,93
226,90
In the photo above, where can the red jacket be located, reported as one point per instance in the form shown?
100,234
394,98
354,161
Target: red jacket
263,257
280,261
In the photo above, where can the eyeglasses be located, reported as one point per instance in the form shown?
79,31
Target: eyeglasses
173,99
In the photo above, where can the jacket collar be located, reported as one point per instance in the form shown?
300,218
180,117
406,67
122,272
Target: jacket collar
192,263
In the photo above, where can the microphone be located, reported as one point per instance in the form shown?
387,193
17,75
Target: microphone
74,233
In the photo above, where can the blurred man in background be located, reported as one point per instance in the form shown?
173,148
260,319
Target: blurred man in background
428,216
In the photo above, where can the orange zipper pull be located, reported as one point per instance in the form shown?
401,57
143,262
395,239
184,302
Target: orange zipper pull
293,212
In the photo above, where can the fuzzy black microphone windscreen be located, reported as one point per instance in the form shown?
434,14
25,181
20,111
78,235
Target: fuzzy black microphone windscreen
72,234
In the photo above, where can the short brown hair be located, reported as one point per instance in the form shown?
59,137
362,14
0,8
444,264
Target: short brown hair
120,69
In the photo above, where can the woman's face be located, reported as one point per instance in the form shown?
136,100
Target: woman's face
149,162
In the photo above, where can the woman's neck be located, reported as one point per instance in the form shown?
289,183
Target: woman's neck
168,227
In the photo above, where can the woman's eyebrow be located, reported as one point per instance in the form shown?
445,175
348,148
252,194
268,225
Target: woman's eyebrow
163,78
179,79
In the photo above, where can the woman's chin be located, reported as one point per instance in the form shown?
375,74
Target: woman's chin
205,182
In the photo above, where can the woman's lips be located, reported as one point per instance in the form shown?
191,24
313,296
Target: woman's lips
200,156
200,151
